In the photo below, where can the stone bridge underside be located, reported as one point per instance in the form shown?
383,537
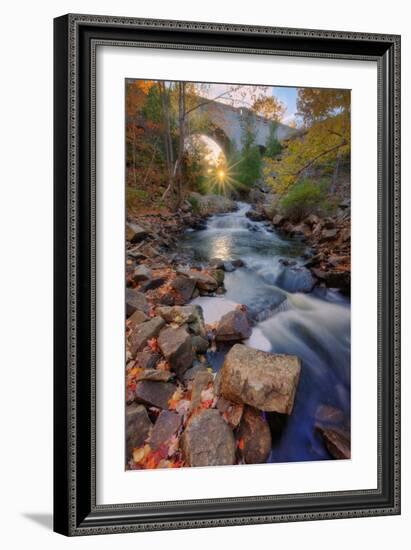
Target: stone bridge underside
227,125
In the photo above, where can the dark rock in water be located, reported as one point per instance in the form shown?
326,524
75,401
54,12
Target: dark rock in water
255,216
231,412
266,381
147,359
326,414
229,267
234,325
217,263
138,427
208,440
254,437
200,344
287,262
135,233
218,275
337,442
154,394
144,332
175,345
138,317
238,263
142,273
296,279
203,280
199,225
277,423
184,286
135,300
335,279
167,424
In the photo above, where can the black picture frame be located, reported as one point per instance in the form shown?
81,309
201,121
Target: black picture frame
76,38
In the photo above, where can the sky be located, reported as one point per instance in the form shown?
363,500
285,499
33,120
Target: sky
242,96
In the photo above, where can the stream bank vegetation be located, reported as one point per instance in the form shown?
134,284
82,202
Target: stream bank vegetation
193,151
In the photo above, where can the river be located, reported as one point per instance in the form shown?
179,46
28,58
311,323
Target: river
315,325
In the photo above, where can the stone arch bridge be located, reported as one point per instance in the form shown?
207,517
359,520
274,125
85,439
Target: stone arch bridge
227,125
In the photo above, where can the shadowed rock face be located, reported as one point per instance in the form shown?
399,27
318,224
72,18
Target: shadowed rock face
208,440
263,380
154,394
175,345
138,427
254,437
233,325
143,332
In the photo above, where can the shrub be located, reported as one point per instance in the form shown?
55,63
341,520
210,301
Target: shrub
135,198
304,198
195,203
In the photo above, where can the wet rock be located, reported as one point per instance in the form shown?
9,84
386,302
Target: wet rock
154,394
335,279
167,424
203,280
138,317
229,267
135,233
153,284
219,276
217,263
254,437
231,412
312,220
278,220
191,315
184,286
234,325
135,300
142,273
238,263
201,381
296,279
155,375
263,380
200,344
138,427
147,359
208,440
144,332
190,373
326,414
175,345
255,216
328,234
337,442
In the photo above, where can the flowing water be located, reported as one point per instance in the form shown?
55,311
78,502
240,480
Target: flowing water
314,325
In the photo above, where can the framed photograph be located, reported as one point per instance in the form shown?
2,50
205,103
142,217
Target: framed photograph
227,280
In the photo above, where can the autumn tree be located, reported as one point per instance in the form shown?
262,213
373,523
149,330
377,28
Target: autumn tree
323,138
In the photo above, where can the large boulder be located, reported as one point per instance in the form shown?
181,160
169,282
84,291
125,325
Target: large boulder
137,318
142,273
296,279
203,280
154,394
263,380
175,345
143,332
147,359
200,383
184,287
138,427
254,437
167,424
335,279
208,440
135,300
135,233
191,315
234,325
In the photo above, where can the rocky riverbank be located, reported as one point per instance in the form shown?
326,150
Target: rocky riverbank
179,412
328,237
